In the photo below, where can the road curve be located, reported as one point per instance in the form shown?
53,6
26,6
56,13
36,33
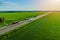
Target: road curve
21,23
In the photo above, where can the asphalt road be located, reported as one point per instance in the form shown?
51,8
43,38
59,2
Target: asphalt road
21,23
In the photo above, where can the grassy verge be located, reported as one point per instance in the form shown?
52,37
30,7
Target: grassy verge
17,16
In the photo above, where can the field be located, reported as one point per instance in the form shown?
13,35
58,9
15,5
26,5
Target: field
17,16
45,28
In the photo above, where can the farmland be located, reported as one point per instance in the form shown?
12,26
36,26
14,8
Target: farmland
17,16
45,28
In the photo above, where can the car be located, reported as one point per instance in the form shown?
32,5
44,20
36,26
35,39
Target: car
14,22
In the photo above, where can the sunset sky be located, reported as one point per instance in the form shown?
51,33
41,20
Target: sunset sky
27,5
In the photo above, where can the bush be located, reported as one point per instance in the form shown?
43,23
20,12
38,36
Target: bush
2,19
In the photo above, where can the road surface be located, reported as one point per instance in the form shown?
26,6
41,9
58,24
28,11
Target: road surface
6,29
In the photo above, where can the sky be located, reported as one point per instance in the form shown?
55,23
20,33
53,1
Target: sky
29,5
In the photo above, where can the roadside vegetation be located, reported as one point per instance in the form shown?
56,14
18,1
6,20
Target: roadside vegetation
46,28
16,16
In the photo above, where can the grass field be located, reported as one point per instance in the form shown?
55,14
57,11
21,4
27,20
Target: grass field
17,16
45,28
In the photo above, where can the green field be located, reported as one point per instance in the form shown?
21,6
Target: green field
45,28
17,16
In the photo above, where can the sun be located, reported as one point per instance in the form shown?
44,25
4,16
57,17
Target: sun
55,0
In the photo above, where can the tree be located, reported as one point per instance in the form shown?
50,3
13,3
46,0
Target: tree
2,19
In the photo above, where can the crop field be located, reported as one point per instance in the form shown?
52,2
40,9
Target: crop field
45,28
17,16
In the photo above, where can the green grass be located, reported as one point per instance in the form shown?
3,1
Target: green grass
46,28
18,16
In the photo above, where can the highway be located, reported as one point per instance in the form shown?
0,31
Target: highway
8,28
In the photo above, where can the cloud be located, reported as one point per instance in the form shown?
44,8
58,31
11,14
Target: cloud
1,3
7,3
8,6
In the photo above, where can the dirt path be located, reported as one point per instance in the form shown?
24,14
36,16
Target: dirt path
21,23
